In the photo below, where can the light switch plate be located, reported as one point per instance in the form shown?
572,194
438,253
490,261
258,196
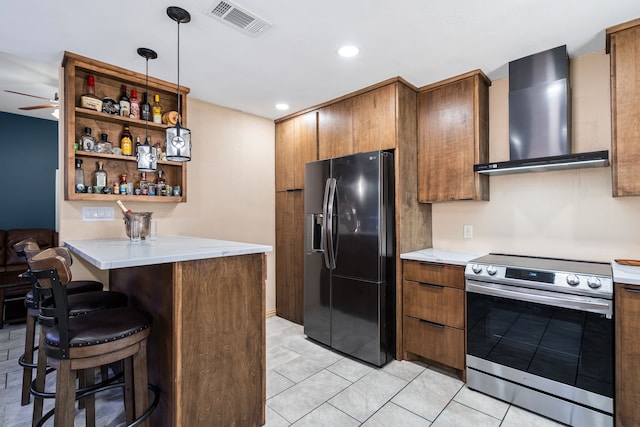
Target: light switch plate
467,231
98,213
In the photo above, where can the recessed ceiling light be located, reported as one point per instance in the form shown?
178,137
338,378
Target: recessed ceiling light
348,51
282,106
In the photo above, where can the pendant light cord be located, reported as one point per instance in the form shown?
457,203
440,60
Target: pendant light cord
146,116
179,112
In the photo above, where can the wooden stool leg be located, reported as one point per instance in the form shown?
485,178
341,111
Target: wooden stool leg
41,374
140,380
90,401
129,406
27,373
65,395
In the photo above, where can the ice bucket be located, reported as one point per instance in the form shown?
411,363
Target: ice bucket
141,219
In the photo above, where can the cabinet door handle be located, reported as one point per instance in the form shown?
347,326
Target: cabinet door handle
430,285
436,325
632,290
431,264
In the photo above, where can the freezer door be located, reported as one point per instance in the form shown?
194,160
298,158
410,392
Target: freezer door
317,278
359,217
359,326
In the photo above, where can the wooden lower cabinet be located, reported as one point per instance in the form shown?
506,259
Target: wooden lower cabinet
434,313
627,351
290,255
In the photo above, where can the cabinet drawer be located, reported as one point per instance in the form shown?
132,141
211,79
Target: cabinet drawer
441,344
434,273
435,303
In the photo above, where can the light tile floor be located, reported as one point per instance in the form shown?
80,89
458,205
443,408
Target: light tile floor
309,385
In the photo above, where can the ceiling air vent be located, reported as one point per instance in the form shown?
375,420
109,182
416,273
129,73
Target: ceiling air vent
238,18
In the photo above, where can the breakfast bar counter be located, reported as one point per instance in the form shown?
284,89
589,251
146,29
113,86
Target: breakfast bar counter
207,347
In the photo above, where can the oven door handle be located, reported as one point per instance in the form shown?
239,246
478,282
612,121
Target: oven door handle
573,302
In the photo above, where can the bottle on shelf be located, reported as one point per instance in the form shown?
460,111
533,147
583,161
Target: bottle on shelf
161,187
79,177
103,146
143,184
159,152
116,187
135,105
86,141
145,108
126,143
89,99
123,184
157,110
100,177
125,104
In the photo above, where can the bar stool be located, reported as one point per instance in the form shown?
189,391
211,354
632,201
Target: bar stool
32,305
89,341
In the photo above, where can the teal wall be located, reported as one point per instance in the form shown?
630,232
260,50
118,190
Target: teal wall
28,163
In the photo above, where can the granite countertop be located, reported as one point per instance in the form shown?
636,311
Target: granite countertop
442,255
119,253
625,274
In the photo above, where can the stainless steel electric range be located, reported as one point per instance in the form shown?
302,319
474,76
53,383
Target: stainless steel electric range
540,335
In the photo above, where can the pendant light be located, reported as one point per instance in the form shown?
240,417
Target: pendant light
178,138
146,154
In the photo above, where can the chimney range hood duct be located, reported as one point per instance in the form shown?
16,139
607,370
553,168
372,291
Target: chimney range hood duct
540,118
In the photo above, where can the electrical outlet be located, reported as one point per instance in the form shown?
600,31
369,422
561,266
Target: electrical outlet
96,213
467,231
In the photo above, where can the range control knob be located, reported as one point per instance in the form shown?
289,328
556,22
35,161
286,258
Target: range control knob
476,268
573,280
492,270
594,282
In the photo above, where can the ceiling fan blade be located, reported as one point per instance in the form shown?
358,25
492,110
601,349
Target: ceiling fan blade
33,96
36,107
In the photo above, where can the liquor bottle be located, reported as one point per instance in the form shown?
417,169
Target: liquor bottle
145,108
126,144
100,177
123,184
157,110
135,105
125,104
162,184
143,184
89,99
86,141
79,177
103,146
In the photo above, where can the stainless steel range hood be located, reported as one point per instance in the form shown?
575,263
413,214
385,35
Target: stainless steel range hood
540,118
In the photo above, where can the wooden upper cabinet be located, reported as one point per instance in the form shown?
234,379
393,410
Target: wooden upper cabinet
623,45
335,130
296,144
453,135
374,120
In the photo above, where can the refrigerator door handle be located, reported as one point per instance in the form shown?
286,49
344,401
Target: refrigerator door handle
330,248
325,213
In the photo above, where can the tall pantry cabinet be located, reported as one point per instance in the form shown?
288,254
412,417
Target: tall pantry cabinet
623,45
296,144
379,117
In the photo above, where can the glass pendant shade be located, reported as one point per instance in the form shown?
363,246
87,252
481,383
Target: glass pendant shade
178,143
146,157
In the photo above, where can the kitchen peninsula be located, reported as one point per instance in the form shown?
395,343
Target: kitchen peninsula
207,347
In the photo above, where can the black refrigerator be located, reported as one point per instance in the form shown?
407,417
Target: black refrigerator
349,263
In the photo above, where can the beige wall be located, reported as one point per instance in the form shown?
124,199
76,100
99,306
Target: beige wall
567,214
230,189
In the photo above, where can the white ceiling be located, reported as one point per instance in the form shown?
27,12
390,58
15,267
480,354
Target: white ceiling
295,61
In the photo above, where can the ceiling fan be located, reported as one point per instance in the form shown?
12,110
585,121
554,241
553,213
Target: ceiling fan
53,102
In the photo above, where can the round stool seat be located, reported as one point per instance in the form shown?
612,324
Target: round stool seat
74,287
87,302
100,327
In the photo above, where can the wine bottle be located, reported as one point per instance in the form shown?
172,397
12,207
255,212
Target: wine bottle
145,108
125,104
135,105
121,205
157,110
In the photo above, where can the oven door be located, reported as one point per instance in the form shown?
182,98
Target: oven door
557,343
